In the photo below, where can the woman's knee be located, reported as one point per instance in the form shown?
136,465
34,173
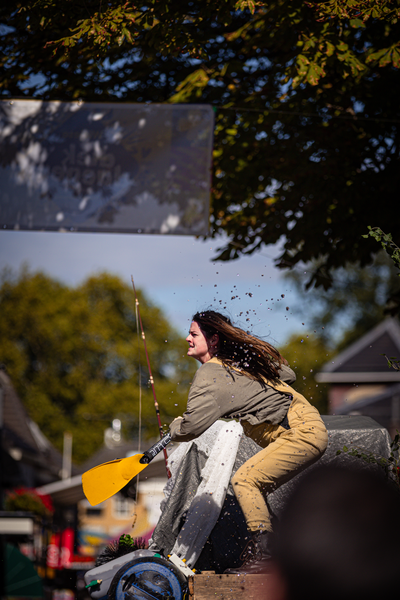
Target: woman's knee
320,436
323,442
242,478
238,478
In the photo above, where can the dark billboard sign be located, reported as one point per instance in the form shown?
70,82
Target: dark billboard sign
117,167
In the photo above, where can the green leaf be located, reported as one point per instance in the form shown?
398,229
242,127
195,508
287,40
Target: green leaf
330,49
375,56
396,58
356,23
194,83
245,4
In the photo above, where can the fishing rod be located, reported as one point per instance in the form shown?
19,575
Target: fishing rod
156,406
105,480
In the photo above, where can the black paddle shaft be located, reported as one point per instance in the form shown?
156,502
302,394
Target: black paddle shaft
156,449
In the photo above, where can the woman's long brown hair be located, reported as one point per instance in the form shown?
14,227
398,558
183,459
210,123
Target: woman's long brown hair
238,349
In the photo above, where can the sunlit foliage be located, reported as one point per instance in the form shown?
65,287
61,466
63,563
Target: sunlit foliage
76,360
306,147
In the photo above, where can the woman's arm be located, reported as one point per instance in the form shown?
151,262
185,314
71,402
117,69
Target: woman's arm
201,412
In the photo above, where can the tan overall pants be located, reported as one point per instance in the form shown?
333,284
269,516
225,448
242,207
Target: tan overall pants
285,453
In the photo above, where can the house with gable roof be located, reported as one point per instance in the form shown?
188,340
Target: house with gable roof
361,381
28,458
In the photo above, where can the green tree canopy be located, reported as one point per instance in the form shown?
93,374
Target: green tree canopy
76,360
306,354
307,118
356,301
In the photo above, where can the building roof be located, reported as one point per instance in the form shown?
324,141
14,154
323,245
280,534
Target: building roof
364,361
22,440
66,492
392,392
383,407
15,417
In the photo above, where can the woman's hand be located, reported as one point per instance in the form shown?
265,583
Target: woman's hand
176,422
175,426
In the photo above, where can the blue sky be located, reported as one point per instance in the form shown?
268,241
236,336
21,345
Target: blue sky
176,272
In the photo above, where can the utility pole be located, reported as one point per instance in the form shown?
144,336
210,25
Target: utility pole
67,456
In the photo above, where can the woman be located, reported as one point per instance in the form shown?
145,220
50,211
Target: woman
244,377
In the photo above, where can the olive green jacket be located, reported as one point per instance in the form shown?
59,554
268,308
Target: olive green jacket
220,392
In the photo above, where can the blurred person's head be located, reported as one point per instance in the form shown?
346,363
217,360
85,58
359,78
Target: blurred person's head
339,538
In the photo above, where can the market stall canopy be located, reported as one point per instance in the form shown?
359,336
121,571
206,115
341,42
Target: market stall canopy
65,492
21,577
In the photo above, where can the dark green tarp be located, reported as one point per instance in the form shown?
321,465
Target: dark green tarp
21,578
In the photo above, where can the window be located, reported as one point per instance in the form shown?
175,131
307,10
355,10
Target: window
123,508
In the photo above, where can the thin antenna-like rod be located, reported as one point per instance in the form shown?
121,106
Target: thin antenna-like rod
140,411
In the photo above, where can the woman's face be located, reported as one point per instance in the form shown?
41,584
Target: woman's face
199,347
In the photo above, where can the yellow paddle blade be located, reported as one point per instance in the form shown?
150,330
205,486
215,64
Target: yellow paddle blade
103,481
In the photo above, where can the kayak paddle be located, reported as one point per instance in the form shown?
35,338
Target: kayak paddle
107,479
